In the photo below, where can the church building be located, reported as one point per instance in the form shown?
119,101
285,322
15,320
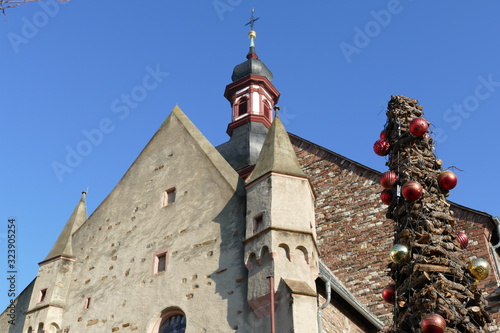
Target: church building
267,232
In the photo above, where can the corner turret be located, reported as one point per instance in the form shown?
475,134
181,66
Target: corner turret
62,246
280,238
51,286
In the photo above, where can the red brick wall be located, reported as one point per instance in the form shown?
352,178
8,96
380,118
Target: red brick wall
478,227
354,235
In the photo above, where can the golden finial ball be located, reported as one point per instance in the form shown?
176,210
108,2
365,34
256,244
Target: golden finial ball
479,268
399,254
252,34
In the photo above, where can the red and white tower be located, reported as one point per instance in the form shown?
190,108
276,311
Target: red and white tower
252,97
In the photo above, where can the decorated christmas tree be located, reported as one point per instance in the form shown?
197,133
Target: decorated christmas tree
435,278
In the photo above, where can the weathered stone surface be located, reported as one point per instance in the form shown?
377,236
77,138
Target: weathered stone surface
131,225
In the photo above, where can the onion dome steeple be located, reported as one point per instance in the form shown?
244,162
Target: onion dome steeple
252,97
253,66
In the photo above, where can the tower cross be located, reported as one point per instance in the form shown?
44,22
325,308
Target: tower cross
252,20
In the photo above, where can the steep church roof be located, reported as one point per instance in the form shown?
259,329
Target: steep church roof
277,154
62,246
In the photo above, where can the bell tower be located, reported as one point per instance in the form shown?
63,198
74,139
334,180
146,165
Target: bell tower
252,97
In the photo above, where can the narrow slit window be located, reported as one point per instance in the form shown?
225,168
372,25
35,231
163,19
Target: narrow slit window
258,222
86,304
43,295
169,196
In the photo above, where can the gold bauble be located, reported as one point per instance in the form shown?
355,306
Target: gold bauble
252,34
479,268
399,254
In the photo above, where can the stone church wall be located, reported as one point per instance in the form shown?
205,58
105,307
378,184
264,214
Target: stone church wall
115,282
201,233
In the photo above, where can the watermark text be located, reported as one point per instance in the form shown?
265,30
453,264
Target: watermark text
31,26
456,114
95,136
363,36
11,271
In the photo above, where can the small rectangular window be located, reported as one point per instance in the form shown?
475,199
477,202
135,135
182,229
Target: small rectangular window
258,222
43,294
160,261
169,196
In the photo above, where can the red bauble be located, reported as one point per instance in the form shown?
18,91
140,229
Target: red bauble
381,147
389,293
388,179
383,134
411,190
387,196
462,239
447,180
419,126
433,323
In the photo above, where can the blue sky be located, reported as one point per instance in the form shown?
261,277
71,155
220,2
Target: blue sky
113,70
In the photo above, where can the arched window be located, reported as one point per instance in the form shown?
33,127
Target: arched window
242,106
173,324
53,328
